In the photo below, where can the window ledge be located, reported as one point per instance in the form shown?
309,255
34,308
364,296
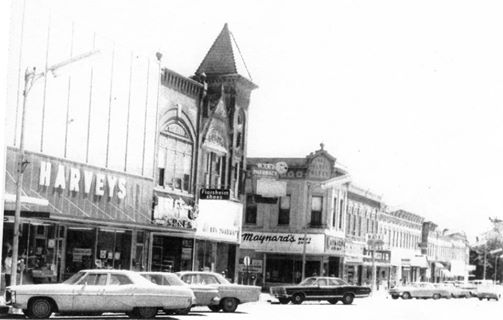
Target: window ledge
173,191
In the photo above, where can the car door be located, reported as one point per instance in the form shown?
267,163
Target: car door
118,294
323,288
311,290
203,287
88,294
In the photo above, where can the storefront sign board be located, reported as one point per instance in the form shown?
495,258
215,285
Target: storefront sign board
283,242
219,220
78,190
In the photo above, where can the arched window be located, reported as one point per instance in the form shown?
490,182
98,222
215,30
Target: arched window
175,157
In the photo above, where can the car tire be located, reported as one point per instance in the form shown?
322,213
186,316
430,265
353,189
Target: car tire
183,311
481,299
406,296
333,301
229,304
394,296
146,312
214,308
284,300
348,298
27,313
297,298
436,296
40,308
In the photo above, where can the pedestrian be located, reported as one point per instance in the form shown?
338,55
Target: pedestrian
8,267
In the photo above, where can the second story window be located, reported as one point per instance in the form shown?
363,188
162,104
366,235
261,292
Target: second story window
284,211
174,158
251,210
316,210
215,166
341,210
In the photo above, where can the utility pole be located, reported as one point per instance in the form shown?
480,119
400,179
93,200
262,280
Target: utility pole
30,77
304,254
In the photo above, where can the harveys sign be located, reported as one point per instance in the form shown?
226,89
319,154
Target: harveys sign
79,190
81,180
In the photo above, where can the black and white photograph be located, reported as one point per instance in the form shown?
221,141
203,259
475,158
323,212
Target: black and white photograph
251,159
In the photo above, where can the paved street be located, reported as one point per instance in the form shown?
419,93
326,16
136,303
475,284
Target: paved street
371,308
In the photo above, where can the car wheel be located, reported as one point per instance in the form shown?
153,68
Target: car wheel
183,311
436,296
481,299
394,297
40,308
284,300
229,304
406,295
333,301
348,298
215,308
297,298
146,312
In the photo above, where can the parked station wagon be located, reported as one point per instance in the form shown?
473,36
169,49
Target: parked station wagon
93,292
320,288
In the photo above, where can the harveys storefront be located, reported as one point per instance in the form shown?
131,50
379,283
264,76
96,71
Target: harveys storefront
75,216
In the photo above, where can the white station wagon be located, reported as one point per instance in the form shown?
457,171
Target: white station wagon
93,292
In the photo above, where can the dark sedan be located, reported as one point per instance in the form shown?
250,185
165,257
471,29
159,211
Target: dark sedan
320,288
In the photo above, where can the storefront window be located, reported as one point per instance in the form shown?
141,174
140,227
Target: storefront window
113,249
79,249
171,254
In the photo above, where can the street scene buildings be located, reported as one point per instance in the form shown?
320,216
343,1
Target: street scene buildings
129,165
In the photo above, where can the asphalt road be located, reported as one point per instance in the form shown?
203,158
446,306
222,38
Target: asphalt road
368,308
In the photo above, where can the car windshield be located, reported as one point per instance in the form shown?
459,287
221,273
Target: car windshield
308,282
76,277
222,279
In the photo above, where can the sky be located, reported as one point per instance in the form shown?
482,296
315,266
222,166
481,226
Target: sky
406,94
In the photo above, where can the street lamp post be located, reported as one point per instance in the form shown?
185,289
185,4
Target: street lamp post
30,77
374,241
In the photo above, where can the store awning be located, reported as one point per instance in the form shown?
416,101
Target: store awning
11,198
419,261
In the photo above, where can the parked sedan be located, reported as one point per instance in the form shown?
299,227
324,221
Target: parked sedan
96,291
320,288
418,290
213,290
169,279
455,290
489,291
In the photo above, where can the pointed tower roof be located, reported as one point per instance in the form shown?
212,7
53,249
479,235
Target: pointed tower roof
224,57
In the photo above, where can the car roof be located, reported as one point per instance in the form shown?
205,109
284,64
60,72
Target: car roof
169,274
196,272
108,270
